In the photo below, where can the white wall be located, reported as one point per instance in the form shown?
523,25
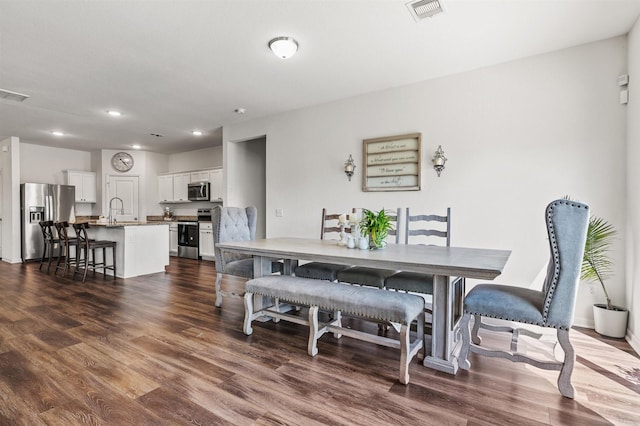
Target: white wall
44,164
632,236
10,165
517,136
199,159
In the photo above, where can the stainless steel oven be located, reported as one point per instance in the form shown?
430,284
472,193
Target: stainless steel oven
188,240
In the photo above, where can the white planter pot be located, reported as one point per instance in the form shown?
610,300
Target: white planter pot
610,322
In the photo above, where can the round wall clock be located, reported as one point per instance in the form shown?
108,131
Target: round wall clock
122,161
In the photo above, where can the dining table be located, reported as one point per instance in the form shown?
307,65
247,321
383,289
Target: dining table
449,265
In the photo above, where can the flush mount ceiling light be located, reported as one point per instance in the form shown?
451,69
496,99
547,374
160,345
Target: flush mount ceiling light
135,146
283,47
421,9
13,96
196,133
57,133
114,113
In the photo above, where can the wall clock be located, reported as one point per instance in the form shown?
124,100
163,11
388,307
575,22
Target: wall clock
122,161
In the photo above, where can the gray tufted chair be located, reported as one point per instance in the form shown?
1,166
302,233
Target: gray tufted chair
234,224
553,306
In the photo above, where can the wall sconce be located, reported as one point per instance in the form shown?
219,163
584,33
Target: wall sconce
438,160
349,167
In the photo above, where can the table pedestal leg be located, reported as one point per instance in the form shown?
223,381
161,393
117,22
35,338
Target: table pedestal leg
444,349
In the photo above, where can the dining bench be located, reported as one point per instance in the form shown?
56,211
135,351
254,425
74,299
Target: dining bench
367,303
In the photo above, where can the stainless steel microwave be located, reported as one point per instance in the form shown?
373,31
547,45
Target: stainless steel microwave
200,191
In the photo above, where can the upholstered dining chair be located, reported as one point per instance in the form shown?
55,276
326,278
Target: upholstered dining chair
372,277
553,306
322,270
424,227
234,224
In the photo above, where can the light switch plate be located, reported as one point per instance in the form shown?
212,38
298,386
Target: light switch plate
279,212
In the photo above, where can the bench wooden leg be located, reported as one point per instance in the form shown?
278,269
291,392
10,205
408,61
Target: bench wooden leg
404,354
337,321
248,313
313,331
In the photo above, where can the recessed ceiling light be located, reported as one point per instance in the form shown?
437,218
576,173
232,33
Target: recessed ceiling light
114,113
239,110
283,47
196,133
57,133
135,146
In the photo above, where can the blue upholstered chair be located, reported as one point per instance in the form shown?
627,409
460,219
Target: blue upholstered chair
323,270
553,306
234,224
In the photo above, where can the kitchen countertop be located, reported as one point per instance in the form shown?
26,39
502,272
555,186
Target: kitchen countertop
122,224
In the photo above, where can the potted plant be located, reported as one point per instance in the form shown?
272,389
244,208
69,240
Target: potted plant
610,320
376,226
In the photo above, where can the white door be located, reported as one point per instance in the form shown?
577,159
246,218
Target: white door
125,188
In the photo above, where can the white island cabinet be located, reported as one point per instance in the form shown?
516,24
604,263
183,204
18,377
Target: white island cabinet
141,248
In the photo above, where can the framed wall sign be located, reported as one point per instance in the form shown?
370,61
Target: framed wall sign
392,163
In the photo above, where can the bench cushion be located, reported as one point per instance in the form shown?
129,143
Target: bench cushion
361,301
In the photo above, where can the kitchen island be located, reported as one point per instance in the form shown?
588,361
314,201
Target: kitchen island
141,247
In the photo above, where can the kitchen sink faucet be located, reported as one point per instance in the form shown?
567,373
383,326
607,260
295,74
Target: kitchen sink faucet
112,219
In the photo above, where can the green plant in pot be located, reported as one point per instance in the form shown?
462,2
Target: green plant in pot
376,226
597,266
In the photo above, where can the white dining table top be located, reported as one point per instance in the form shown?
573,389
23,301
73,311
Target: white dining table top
477,263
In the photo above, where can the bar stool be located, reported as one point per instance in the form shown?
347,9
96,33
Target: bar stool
46,226
65,245
83,261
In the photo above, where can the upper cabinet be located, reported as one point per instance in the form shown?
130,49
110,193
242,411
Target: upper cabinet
201,176
180,187
85,183
165,188
215,177
174,188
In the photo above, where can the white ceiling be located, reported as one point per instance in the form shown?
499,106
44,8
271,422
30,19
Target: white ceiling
174,66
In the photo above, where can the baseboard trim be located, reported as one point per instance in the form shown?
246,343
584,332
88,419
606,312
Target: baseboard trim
633,340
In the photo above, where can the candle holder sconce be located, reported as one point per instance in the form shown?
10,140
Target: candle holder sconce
349,167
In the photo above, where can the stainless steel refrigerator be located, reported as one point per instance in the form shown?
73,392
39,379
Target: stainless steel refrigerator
43,201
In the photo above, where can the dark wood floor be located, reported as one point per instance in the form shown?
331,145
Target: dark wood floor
154,350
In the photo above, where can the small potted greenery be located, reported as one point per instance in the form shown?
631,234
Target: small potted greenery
376,226
597,266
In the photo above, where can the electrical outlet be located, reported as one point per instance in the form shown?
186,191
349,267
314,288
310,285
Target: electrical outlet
279,212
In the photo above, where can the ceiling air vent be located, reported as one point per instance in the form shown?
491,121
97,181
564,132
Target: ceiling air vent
424,8
13,96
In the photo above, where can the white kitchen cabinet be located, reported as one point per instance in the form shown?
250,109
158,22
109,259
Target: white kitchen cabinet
173,188
215,177
206,241
173,239
201,176
165,188
85,183
181,182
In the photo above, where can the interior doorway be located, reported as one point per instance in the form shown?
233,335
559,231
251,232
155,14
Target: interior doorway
251,189
125,188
